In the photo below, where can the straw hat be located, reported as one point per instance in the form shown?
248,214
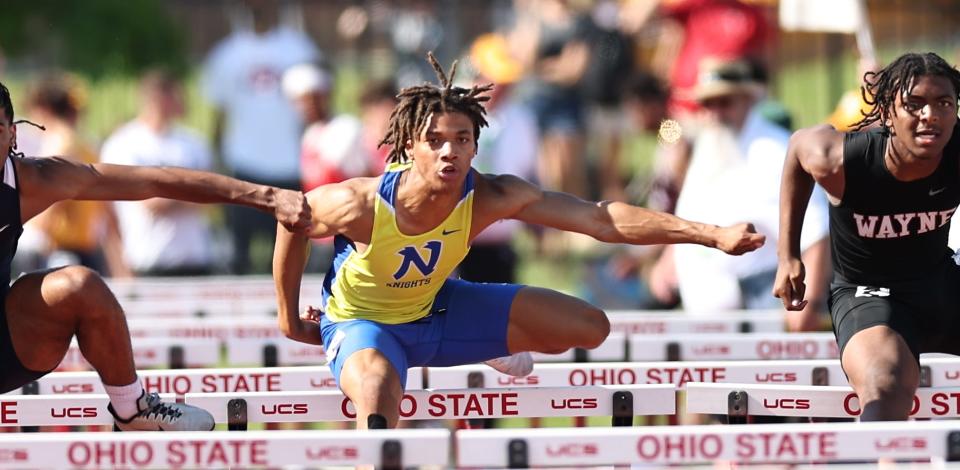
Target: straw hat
724,78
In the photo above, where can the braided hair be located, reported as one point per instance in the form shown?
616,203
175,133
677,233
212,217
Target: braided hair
417,103
6,103
881,88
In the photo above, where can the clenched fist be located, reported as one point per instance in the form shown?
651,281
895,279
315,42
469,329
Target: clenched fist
292,210
738,239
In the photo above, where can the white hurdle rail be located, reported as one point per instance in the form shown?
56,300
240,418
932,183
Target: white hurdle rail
180,382
627,323
206,288
247,336
622,403
182,352
239,408
157,352
637,322
934,372
275,351
744,400
730,347
185,308
218,328
766,443
388,450
798,372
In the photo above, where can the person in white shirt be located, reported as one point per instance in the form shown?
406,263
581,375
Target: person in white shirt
161,237
257,130
734,175
510,144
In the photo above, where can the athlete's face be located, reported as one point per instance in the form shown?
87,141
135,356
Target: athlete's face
922,120
445,148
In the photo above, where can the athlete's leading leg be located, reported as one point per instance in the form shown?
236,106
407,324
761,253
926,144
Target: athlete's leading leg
883,371
547,321
46,309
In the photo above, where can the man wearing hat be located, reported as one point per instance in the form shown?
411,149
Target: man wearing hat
734,175
331,149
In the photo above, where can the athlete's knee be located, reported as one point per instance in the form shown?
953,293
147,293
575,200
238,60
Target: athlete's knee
894,385
76,281
81,288
377,390
596,327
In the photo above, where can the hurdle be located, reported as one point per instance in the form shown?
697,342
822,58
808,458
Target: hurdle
797,372
219,328
613,348
636,322
249,340
157,352
273,351
744,400
200,308
388,449
622,403
179,382
206,288
766,443
730,347
239,408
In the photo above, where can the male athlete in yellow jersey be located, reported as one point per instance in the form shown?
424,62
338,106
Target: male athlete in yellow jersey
388,303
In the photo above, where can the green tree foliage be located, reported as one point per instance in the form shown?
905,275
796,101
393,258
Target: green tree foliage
93,37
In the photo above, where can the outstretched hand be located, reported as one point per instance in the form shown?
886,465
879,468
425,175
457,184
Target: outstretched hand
292,210
789,284
739,239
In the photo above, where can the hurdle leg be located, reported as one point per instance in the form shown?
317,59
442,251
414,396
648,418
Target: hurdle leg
883,373
48,308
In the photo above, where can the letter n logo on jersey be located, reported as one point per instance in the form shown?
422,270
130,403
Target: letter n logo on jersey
412,256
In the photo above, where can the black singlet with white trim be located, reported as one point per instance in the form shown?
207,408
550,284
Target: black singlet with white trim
886,230
13,374
10,225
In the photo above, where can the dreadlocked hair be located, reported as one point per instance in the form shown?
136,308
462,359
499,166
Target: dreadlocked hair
881,88
417,103
6,103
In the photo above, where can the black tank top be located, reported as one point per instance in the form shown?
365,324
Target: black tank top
10,226
890,230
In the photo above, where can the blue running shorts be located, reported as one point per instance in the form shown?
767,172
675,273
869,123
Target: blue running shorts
467,324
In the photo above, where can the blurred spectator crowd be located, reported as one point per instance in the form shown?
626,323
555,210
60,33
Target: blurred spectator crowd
577,82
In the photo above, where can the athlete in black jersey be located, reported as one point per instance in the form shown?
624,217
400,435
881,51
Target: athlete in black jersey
893,190
42,311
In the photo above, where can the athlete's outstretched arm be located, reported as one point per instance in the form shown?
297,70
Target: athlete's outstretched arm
289,260
814,155
61,179
333,206
617,222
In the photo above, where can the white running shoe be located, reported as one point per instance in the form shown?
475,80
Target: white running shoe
517,365
155,415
